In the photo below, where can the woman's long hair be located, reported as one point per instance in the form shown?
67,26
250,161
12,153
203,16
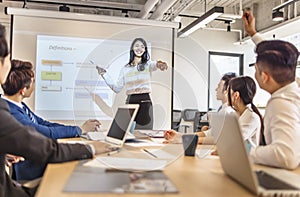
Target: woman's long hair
145,56
247,88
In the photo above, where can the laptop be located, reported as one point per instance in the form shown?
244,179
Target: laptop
236,164
119,128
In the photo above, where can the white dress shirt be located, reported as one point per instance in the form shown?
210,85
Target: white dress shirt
249,123
225,108
250,126
257,38
282,130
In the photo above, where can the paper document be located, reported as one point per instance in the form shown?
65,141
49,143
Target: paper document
94,164
132,164
144,143
151,133
160,154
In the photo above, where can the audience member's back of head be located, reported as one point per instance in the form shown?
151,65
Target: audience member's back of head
20,76
245,86
279,59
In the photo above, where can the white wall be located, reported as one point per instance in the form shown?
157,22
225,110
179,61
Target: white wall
191,65
191,62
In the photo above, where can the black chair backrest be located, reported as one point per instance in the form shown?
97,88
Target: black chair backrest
177,115
198,124
189,114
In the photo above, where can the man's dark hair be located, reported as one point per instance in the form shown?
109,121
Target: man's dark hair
279,59
226,78
19,77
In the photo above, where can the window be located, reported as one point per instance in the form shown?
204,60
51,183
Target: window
220,63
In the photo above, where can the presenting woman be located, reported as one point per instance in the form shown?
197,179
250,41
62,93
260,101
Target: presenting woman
136,77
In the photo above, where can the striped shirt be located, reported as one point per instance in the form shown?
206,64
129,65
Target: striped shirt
136,82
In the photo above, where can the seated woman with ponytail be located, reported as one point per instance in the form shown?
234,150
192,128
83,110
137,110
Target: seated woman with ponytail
241,91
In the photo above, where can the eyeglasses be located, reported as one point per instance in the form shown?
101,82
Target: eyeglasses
140,67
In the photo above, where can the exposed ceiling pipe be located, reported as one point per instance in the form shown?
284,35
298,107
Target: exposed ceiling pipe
295,10
241,8
284,4
177,8
149,5
161,9
235,16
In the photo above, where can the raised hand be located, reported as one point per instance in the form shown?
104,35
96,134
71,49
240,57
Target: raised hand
161,65
249,22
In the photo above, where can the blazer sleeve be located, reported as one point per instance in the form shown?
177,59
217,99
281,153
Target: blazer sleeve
25,141
48,129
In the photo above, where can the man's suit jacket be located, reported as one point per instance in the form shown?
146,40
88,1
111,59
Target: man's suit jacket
49,129
24,141
28,170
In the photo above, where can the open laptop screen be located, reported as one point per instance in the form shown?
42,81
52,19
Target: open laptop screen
120,123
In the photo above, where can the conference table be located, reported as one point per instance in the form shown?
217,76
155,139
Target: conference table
192,176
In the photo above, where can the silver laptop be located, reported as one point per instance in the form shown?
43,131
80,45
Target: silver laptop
236,164
120,126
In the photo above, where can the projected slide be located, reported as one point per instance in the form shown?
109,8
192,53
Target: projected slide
66,75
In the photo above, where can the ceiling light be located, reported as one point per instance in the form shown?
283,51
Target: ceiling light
206,18
228,26
64,8
277,15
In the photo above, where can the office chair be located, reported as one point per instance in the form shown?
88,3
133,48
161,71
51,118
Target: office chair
189,115
198,122
177,115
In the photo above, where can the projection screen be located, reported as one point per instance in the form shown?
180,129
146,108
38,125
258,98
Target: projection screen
65,49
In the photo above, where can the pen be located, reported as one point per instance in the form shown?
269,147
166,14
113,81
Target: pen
149,153
113,152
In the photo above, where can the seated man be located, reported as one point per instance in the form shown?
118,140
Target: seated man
221,94
20,85
275,72
26,142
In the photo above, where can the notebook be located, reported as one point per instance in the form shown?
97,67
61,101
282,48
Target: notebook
236,164
119,127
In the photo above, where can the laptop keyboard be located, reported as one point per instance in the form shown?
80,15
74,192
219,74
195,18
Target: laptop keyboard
98,136
268,181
